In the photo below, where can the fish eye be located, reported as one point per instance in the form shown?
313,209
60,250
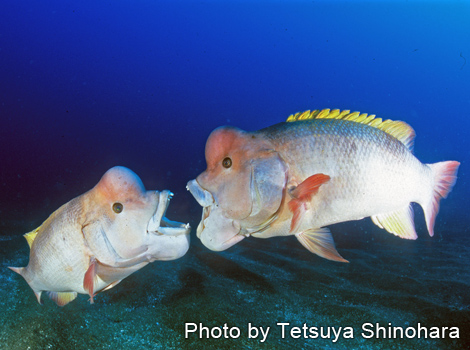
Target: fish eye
227,162
118,207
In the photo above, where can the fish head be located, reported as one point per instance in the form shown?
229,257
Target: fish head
132,221
242,188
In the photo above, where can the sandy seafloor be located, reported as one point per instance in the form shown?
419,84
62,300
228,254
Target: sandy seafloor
262,282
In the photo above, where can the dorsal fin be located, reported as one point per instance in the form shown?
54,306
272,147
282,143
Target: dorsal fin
30,236
398,129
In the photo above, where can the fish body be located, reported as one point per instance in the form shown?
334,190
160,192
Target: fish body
97,239
317,169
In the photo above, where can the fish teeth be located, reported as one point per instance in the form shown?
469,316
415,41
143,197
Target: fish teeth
163,202
159,224
173,231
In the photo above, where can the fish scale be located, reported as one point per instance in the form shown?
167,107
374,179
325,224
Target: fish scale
359,158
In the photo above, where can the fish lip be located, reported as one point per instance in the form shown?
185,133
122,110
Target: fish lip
210,206
206,201
166,258
202,196
159,224
231,235
206,211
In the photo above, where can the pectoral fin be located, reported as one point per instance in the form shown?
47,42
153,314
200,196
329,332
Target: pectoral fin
399,222
98,273
90,279
302,194
320,242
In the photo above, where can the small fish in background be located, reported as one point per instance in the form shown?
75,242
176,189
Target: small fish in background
93,242
318,168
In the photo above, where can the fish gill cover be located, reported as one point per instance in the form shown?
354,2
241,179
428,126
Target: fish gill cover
89,85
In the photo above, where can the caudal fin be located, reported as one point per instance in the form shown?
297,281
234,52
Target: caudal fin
18,270
21,271
444,177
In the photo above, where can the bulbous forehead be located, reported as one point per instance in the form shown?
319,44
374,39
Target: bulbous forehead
221,141
120,182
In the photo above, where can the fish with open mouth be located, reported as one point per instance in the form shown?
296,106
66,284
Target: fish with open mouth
318,168
93,242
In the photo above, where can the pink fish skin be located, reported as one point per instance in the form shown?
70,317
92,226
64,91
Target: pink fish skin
97,239
295,178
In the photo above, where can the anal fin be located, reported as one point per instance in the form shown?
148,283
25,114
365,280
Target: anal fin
62,298
302,194
399,222
319,241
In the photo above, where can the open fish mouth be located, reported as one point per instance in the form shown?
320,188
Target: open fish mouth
159,224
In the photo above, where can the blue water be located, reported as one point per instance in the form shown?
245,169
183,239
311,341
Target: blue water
87,85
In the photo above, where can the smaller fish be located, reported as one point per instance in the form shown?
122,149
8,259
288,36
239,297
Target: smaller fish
93,242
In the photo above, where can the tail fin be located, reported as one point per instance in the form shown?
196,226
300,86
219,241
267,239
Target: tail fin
444,177
20,271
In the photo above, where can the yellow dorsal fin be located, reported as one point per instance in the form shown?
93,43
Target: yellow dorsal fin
398,129
30,236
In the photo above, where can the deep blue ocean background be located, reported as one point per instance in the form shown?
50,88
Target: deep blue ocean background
87,85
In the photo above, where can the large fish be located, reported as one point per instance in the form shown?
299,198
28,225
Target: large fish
316,169
97,239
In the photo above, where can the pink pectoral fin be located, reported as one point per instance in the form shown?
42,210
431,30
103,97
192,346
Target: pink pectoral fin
302,194
89,279
298,208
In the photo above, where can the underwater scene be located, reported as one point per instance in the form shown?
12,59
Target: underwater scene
147,230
